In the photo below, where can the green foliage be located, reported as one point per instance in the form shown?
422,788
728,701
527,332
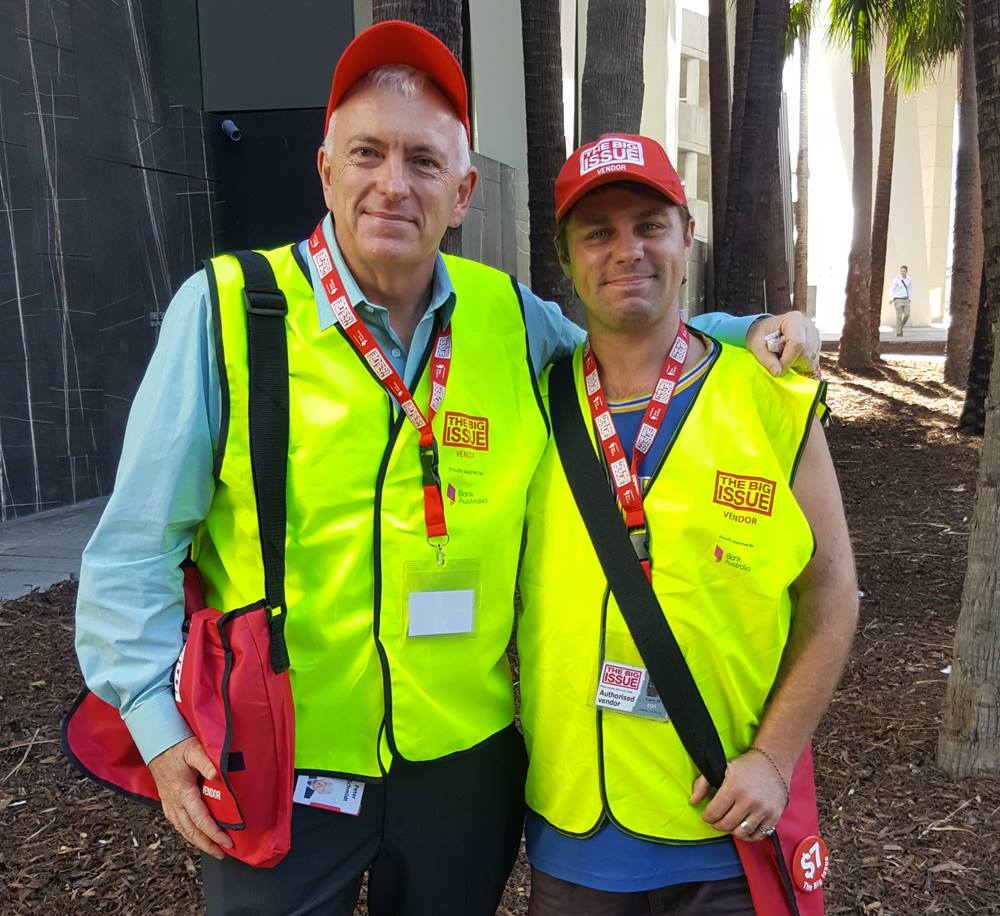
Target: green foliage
801,16
918,44
854,24
919,34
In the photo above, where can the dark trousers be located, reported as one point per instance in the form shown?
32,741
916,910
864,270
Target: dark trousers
435,838
554,897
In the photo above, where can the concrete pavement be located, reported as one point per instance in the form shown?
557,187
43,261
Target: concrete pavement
39,550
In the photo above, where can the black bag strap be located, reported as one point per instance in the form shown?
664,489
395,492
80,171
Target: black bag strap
267,356
638,603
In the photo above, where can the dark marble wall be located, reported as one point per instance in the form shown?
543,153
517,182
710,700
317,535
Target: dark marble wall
106,205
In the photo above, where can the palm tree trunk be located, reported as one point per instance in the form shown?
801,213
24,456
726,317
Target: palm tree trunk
972,422
612,88
883,194
719,105
543,108
741,290
801,294
741,64
442,18
967,240
855,341
779,294
969,740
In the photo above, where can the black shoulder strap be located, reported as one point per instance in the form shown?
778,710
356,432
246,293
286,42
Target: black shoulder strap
639,607
267,355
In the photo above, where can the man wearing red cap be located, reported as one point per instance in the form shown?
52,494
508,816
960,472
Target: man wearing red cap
414,426
731,513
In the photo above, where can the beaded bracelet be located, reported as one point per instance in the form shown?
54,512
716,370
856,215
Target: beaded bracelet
770,760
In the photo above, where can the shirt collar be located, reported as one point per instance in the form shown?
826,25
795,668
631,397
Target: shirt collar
442,291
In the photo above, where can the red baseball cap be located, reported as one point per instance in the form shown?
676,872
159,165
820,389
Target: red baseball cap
397,42
616,157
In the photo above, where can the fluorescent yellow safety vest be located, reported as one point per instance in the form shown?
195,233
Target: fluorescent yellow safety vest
727,539
364,691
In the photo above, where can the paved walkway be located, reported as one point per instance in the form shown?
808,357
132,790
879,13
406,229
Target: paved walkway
887,335
39,550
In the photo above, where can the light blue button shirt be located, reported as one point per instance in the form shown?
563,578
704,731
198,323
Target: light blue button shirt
130,601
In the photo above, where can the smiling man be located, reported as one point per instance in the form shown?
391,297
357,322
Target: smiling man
414,427
721,475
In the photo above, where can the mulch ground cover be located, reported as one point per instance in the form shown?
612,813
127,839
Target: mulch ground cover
906,838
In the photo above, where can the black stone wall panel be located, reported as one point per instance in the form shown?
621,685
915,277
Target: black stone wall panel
107,192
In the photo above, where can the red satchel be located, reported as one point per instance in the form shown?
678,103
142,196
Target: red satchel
239,709
786,871
231,681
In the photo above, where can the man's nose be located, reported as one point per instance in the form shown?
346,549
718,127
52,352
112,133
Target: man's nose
392,177
628,248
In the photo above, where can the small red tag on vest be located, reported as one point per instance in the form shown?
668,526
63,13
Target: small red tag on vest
810,864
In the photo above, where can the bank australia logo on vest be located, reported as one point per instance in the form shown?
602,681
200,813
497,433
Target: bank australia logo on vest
464,431
611,154
747,494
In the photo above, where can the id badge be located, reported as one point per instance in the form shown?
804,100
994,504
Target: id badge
441,600
330,793
628,689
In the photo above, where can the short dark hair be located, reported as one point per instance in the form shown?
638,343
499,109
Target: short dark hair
560,238
903,267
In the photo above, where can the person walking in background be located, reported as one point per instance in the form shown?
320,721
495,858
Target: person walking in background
902,292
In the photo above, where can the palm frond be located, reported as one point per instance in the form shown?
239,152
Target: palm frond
801,15
854,24
921,38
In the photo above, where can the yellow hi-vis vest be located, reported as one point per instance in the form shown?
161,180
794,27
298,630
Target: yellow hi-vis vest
727,539
364,691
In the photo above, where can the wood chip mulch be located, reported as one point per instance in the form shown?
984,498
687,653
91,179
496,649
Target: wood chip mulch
906,838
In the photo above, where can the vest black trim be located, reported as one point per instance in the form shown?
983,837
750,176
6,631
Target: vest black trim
220,359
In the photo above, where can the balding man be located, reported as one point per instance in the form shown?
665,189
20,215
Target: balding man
414,427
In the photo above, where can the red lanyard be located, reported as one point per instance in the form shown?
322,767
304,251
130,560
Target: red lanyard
625,477
376,359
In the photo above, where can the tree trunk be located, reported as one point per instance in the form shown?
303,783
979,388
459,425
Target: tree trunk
801,295
612,88
543,108
969,741
741,287
855,341
719,110
779,294
442,18
883,195
741,67
972,422
967,240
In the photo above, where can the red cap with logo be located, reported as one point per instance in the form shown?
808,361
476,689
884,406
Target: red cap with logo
397,42
617,157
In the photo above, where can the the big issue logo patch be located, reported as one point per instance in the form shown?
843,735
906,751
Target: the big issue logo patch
747,494
465,431
610,152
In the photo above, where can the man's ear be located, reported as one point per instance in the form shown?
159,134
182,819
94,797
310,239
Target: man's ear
464,199
324,167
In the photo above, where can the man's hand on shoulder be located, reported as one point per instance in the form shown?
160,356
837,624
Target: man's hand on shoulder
797,343
176,773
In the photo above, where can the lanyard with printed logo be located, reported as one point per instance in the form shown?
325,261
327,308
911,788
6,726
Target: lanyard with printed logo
376,359
625,477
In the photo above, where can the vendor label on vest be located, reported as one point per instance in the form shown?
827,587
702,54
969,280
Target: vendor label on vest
330,793
628,689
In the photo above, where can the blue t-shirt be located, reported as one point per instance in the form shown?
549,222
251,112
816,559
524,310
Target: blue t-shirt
611,860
